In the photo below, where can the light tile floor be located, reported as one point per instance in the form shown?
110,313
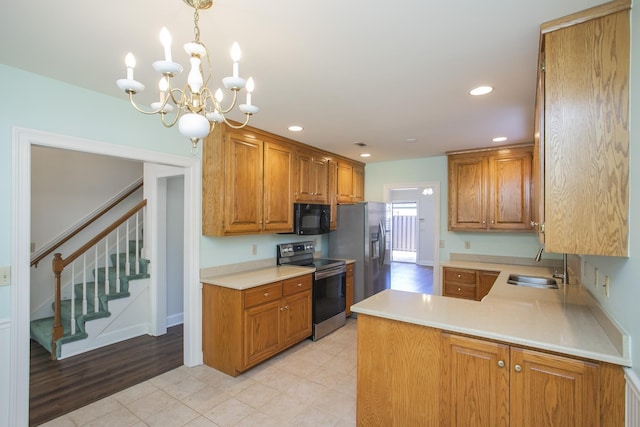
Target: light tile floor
311,384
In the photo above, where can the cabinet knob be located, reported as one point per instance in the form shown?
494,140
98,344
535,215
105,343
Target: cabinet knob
459,276
281,308
459,289
286,307
517,368
266,294
501,363
299,285
484,222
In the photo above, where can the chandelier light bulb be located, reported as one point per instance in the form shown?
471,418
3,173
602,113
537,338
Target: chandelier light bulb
218,95
130,62
236,53
165,39
163,85
250,87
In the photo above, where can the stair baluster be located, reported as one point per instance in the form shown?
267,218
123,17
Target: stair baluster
118,260
137,245
106,265
73,299
127,264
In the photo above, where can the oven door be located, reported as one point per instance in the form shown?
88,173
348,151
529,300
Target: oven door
329,298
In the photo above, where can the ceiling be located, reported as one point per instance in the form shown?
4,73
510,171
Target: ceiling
392,75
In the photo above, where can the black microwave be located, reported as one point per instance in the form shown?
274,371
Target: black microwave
311,219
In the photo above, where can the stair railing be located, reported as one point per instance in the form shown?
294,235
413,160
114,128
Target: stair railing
69,234
59,264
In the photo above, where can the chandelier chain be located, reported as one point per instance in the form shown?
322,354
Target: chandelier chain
196,28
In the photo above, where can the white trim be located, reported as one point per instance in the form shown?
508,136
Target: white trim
22,140
386,188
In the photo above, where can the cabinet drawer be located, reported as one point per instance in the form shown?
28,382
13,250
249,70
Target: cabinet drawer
262,294
459,275
296,284
459,290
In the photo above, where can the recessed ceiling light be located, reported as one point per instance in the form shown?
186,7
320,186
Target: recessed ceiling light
295,128
365,155
481,90
499,139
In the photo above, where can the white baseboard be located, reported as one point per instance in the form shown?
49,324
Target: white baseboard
175,319
5,363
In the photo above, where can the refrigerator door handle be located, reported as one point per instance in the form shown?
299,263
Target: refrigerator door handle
382,242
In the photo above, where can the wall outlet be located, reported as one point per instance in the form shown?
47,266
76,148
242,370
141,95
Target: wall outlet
254,249
5,276
467,244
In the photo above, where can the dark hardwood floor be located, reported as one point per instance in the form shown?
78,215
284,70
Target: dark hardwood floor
411,277
59,387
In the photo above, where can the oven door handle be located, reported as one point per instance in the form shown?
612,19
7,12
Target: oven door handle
322,274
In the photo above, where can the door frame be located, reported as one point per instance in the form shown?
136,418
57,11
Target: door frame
436,219
22,140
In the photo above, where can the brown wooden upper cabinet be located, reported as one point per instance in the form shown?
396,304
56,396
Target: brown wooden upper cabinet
582,132
490,190
350,182
312,182
247,184
251,178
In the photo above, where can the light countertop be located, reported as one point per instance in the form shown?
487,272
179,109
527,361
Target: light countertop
253,278
567,320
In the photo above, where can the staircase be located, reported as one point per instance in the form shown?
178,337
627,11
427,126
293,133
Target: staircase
42,329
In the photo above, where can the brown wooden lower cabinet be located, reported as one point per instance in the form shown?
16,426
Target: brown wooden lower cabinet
241,328
415,375
466,283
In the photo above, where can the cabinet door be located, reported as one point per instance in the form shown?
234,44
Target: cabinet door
467,193
278,187
304,163
261,332
510,190
586,133
486,279
296,317
345,182
537,187
549,390
475,383
243,184
320,179
358,183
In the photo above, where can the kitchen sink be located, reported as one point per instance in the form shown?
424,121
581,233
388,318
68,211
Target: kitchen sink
532,281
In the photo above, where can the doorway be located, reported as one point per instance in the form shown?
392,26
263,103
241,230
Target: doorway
415,231
23,139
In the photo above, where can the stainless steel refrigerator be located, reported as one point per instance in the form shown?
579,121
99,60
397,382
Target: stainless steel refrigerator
361,234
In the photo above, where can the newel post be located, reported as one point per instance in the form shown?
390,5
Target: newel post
58,330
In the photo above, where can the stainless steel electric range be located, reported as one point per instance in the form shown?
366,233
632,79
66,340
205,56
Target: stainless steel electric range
329,285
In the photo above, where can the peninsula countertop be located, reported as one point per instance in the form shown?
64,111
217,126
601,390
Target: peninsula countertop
567,320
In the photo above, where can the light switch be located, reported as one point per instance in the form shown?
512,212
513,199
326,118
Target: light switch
5,276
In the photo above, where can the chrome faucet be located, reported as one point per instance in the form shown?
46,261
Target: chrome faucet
556,275
562,275
539,254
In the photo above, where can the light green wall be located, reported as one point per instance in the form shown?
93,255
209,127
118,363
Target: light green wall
432,169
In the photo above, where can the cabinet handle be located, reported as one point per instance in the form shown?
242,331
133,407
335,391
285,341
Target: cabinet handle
501,363
266,294
517,368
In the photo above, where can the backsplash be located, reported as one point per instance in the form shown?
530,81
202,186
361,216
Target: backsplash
499,259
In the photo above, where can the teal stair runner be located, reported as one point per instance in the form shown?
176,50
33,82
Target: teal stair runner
42,329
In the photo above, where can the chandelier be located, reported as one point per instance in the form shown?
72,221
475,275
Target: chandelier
197,108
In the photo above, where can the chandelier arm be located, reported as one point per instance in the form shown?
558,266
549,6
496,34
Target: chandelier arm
172,122
181,99
233,104
140,110
231,125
